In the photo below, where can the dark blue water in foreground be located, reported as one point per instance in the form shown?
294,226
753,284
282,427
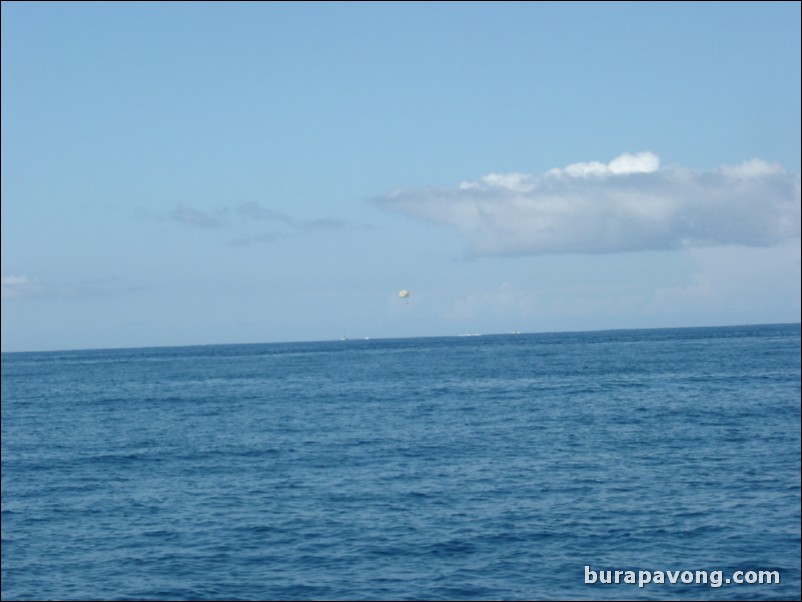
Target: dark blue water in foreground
492,467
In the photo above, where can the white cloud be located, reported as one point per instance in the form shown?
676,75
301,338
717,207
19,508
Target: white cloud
628,204
625,164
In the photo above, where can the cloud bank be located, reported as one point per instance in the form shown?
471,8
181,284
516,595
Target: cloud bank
628,204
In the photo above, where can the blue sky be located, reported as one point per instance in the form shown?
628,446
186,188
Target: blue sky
200,173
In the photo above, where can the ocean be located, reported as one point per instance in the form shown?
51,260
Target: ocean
504,467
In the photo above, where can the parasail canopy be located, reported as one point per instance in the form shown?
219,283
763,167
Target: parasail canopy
404,294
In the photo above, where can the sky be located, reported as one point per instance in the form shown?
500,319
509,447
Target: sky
212,173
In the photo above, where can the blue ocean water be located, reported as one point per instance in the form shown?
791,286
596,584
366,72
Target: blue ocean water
492,467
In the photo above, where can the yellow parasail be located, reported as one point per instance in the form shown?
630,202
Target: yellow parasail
404,294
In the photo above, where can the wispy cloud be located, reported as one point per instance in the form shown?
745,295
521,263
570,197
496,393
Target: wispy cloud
249,213
628,204
15,286
196,218
506,301
257,212
263,238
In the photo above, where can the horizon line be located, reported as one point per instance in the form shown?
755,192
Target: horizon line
367,338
